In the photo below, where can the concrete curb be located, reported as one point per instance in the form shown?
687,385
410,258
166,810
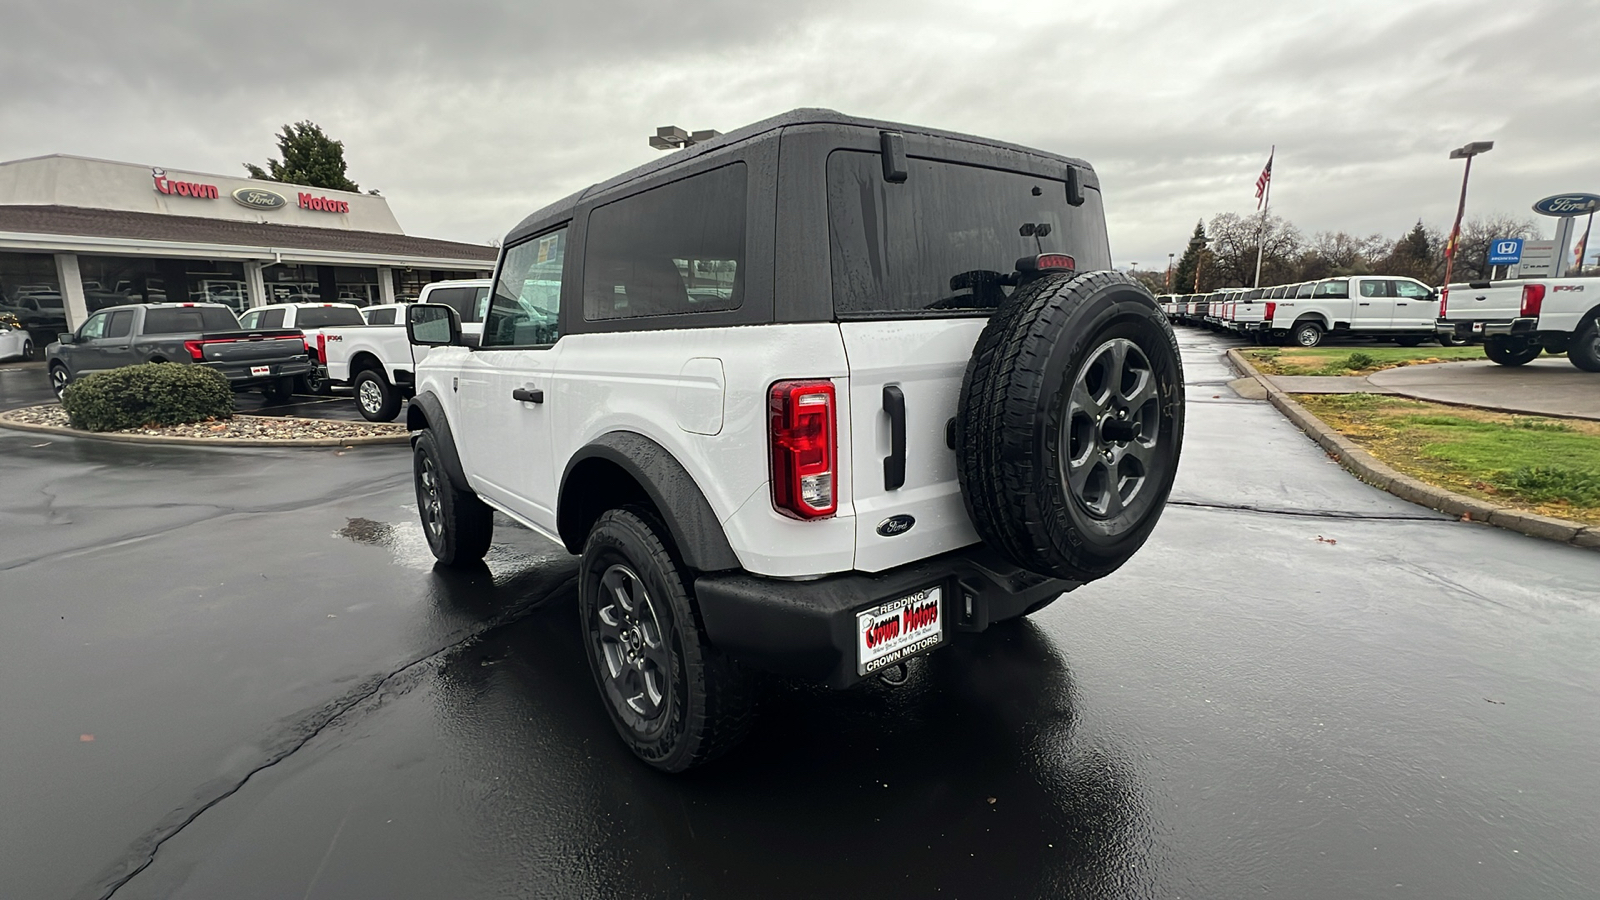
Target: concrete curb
1370,469
6,421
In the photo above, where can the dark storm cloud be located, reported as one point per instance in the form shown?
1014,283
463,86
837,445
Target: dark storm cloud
469,115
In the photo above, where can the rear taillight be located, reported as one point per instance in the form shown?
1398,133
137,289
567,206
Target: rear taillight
1056,261
322,347
196,350
804,437
1444,302
1268,311
1532,300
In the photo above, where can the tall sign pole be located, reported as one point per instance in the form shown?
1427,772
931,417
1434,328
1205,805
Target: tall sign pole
1466,153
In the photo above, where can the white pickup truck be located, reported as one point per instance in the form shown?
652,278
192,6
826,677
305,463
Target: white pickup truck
310,318
1366,305
1517,320
379,362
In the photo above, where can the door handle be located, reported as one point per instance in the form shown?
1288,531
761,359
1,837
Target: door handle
1400,304
894,465
527,395
1363,304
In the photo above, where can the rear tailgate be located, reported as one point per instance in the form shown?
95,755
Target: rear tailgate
1496,303
240,347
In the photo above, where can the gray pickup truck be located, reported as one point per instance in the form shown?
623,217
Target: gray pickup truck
204,334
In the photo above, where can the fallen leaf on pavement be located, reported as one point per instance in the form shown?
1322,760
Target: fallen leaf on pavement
86,738
1325,540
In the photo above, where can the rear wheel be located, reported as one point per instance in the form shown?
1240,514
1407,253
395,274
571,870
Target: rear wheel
1449,340
376,397
1584,349
279,390
313,382
1508,352
1307,334
1408,341
1070,425
676,701
459,527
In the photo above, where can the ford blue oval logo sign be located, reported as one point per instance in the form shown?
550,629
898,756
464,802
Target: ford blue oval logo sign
895,525
1563,205
260,198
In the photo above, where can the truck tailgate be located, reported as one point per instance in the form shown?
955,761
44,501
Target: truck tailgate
251,346
1501,302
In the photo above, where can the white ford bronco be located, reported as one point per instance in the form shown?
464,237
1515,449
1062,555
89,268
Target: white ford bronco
808,399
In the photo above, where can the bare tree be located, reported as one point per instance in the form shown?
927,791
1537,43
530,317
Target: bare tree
1477,233
1233,248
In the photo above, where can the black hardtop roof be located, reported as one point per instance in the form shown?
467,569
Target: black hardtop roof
562,208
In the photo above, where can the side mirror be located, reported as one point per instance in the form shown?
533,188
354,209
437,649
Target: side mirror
67,337
432,325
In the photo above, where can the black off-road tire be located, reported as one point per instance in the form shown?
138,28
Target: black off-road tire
458,526
1306,334
706,700
1015,428
1504,351
278,390
1584,349
376,398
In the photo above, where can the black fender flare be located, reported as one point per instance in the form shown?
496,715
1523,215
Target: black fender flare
426,412
677,499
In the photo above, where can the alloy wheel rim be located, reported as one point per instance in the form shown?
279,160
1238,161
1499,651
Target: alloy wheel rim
58,379
633,652
1111,434
371,397
432,505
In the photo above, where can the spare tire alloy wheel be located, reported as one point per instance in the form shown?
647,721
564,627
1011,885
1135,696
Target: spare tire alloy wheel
1308,334
1071,425
1112,430
676,701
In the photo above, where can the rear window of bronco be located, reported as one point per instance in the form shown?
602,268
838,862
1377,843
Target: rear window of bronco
941,242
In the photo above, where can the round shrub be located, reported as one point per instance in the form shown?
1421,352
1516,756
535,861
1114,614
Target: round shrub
148,394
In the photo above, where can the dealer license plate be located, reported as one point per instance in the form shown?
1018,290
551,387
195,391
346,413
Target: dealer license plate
260,370
899,629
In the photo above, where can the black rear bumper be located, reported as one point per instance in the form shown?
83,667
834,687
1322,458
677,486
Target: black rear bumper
807,629
240,376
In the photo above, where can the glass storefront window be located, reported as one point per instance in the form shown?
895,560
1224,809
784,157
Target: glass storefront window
408,283
120,280
30,293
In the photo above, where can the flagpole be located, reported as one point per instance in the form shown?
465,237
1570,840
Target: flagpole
1261,235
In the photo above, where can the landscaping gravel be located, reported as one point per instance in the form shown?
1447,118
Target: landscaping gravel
240,427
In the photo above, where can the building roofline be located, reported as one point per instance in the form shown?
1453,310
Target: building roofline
138,165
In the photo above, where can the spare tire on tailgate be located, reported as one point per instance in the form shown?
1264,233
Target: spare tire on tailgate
1070,424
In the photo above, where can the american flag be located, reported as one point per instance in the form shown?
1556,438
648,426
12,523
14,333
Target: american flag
1265,179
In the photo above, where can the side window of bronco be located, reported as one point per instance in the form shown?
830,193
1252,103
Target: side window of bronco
526,306
675,249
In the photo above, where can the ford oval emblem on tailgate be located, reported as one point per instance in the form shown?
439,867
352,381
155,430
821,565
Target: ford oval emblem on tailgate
895,525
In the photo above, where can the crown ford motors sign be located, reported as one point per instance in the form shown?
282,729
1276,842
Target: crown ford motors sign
1563,205
260,198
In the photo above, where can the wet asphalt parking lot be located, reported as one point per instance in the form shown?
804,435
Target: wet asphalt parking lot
236,673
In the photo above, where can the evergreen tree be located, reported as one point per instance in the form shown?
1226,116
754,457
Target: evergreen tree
1183,276
310,157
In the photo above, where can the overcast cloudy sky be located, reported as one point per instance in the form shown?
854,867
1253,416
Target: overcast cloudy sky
469,114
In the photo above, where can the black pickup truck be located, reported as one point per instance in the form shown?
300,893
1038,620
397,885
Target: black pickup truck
204,334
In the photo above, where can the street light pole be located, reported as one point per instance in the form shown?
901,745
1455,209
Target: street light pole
1199,244
1169,271
1467,153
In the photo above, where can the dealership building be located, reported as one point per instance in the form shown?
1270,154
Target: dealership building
77,235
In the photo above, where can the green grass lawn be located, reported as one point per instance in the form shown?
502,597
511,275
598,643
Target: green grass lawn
1549,466
1348,361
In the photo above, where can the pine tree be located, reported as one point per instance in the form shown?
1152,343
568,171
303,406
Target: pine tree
1183,276
310,158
